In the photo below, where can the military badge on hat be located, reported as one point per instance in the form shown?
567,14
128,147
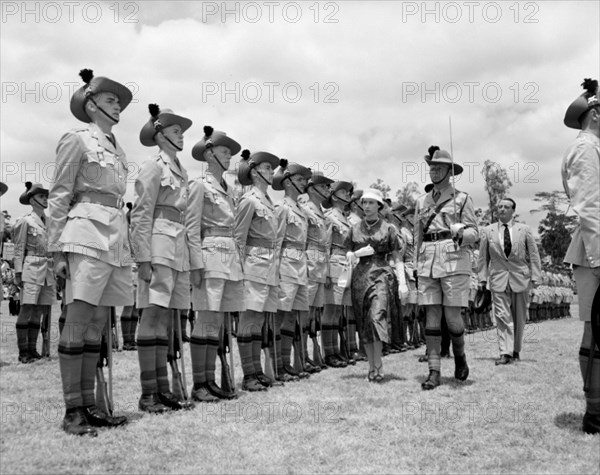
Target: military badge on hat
442,157
249,161
30,191
287,170
214,138
334,188
159,120
94,85
582,104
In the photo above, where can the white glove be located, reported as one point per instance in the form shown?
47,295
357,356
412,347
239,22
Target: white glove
351,258
456,228
365,251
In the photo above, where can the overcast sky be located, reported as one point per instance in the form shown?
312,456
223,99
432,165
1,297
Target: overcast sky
359,90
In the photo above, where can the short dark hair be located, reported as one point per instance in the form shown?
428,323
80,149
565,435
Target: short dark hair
514,205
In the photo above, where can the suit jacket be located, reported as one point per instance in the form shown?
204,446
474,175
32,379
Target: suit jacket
518,269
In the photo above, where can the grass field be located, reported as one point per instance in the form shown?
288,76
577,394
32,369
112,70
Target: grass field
519,418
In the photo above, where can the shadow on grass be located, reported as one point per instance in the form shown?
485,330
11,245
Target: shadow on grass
570,421
449,381
387,378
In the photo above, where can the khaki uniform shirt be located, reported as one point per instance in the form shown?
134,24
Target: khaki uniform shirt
317,249
211,229
161,184
87,161
581,181
31,249
255,231
339,231
292,232
437,259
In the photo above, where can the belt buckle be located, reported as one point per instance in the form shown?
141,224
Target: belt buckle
181,217
120,202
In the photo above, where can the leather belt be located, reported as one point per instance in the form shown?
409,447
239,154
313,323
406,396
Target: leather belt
260,242
218,231
103,199
170,214
430,237
293,245
318,247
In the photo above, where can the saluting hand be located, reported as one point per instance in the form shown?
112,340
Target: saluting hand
145,271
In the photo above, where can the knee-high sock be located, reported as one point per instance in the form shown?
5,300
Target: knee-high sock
592,395
79,319
433,336
211,357
22,326
162,374
92,339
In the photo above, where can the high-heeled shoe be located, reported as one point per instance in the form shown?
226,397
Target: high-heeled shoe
379,376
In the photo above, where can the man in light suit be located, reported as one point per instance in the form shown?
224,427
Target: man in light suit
509,257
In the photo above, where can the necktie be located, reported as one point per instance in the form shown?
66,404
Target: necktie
436,195
507,243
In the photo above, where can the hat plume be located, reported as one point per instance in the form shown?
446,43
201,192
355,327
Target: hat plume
245,154
590,85
154,110
208,130
28,185
86,75
431,150
283,163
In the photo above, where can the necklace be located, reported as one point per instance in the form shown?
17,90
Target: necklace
370,226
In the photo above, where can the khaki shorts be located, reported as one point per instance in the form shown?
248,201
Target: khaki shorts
168,288
293,297
33,294
261,297
337,295
451,291
97,282
316,294
219,295
587,283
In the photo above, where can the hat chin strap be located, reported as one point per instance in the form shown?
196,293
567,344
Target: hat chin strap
294,185
317,191
261,176
439,181
218,161
116,121
174,146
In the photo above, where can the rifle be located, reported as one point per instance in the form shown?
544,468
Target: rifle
227,370
103,391
299,357
178,381
315,326
46,324
344,353
268,345
114,322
